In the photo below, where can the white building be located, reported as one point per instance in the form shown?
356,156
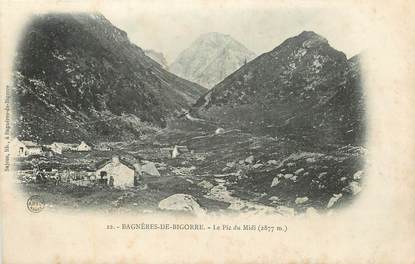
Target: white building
59,147
83,147
23,148
121,172
179,150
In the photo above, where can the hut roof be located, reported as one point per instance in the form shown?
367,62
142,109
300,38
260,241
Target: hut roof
29,144
104,162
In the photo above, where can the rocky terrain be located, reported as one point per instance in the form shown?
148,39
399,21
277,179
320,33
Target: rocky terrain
303,88
283,134
229,172
211,58
157,57
77,77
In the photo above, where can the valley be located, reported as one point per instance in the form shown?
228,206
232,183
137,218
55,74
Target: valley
231,172
102,124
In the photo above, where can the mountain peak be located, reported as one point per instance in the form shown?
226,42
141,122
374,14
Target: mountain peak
211,58
215,38
306,39
77,76
301,74
214,35
309,34
311,38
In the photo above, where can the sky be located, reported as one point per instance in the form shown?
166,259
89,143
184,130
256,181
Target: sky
172,29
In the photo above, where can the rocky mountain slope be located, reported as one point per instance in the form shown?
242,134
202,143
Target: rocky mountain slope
303,89
211,58
157,57
342,118
79,77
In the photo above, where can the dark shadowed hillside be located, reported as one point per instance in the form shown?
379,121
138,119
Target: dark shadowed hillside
342,119
304,89
79,77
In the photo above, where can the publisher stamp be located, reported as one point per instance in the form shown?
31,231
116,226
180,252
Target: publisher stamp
35,204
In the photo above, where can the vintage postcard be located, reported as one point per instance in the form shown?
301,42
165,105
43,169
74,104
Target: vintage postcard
207,131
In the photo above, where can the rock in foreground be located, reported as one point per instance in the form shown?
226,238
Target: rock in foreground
181,202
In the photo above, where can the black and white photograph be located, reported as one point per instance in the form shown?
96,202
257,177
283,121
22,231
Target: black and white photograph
207,131
105,123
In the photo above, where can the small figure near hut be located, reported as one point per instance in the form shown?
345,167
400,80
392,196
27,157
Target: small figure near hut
40,176
58,179
111,182
137,173
103,178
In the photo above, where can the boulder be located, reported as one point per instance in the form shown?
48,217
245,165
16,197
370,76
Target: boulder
334,199
272,162
230,164
205,184
285,210
290,164
358,175
288,176
219,131
275,182
256,166
310,160
273,198
321,175
294,178
250,159
181,202
353,188
297,172
150,169
301,200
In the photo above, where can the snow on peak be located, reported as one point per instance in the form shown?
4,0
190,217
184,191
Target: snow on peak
211,58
